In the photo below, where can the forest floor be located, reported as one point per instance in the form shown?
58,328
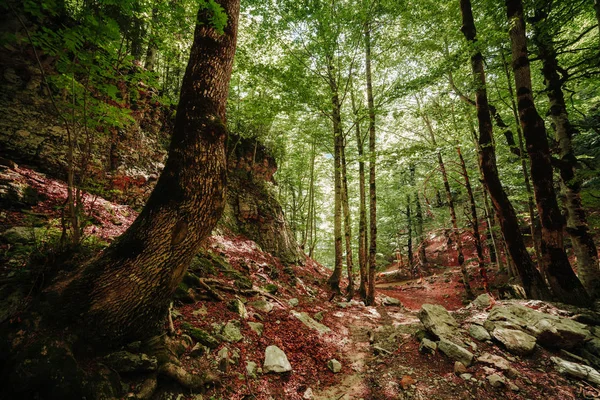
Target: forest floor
291,307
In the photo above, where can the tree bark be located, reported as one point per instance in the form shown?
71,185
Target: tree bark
577,226
422,256
409,250
532,281
555,263
123,294
347,224
372,161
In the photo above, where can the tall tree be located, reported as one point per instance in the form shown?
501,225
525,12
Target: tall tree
347,222
555,263
532,281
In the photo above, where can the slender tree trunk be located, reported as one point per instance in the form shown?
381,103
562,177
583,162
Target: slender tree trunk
307,238
123,294
362,223
532,281
372,161
152,51
347,224
597,8
409,251
491,237
455,234
418,219
534,226
577,226
334,279
555,263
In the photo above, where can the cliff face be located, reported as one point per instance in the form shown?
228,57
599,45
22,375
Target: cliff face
252,207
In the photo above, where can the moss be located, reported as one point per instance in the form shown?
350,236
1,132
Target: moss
201,336
271,288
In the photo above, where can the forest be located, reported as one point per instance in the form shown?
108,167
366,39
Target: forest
344,199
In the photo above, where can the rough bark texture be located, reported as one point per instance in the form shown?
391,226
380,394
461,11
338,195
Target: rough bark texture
555,263
362,221
372,161
532,281
334,279
577,226
347,224
123,294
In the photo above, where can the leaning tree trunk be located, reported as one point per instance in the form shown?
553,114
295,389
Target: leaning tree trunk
336,276
362,222
347,224
555,263
532,281
577,226
372,161
123,294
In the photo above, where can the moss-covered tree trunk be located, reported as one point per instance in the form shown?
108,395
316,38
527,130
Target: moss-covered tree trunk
555,263
532,281
123,294
577,226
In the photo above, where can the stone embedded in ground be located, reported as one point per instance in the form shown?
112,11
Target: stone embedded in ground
496,380
257,327
466,377
237,306
309,322
262,305
308,394
496,361
482,301
223,359
231,332
455,352
427,346
318,316
516,342
203,337
459,368
124,361
251,369
276,360
334,365
478,332
391,301
576,370
293,302
438,321
513,387
199,350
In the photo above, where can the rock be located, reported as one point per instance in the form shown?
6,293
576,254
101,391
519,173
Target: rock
513,387
318,316
276,360
391,301
466,377
231,332
293,302
438,321
199,350
495,361
223,359
478,332
257,327
308,394
203,337
124,361
334,365
496,380
238,307
271,288
311,323
482,301
262,305
427,346
576,370
459,368
517,342
251,369
455,352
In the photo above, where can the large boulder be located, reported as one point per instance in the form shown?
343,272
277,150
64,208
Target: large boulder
515,341
438,321
576,370
276,361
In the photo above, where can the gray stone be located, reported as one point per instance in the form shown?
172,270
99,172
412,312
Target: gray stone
513,387
308,394
482,301
455,352
334,365
238,307
251,369
438,321
124,361
495,361
576,370
231,332
516,342
257,327
311,323
276,360
293,302
459,368
479,332
262,305
391,301
496,380
466,377
427,346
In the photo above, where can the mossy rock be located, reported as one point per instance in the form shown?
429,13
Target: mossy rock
271,288
201,336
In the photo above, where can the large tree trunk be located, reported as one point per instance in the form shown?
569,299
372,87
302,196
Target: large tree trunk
372,161
334,279
347,224
122,295
532,281
362,222
555,263
577,226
